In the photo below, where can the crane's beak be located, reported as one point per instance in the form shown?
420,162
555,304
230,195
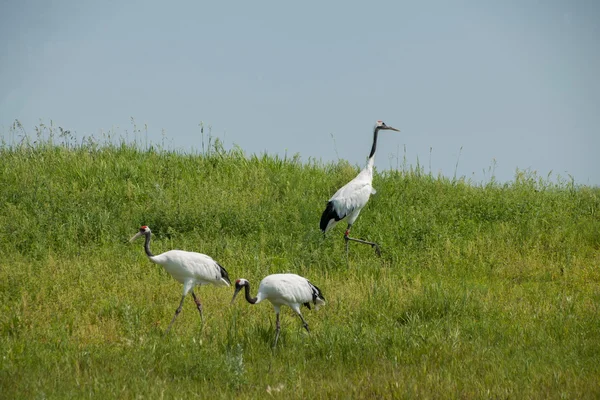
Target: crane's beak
237,290
391,128
137,235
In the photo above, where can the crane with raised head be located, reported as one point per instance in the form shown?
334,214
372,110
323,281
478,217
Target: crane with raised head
350,199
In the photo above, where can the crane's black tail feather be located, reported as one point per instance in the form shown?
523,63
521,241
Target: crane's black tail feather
328,215
317,295
224,274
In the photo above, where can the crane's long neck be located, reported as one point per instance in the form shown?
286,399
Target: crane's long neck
373,148
147,245
247,294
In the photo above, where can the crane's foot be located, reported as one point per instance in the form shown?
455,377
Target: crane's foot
377,249
372,244
306,327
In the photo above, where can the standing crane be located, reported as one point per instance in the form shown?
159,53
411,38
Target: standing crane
189,268
353,196
283,289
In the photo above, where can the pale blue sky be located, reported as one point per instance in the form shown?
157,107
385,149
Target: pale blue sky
517,82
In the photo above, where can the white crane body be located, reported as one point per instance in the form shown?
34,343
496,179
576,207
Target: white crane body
350,199
191,269
288,289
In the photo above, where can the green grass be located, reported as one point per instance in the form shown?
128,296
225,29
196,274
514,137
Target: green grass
482,290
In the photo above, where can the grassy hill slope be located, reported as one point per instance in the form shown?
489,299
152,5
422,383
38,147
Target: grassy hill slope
481,290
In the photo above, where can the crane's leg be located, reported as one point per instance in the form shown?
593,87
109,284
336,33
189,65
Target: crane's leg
199,306
176,314
304,323
347,238
277,329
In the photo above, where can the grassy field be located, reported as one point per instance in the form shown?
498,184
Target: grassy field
482,290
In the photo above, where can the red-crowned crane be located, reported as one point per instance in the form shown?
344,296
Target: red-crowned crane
283,289
189,268
352,197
